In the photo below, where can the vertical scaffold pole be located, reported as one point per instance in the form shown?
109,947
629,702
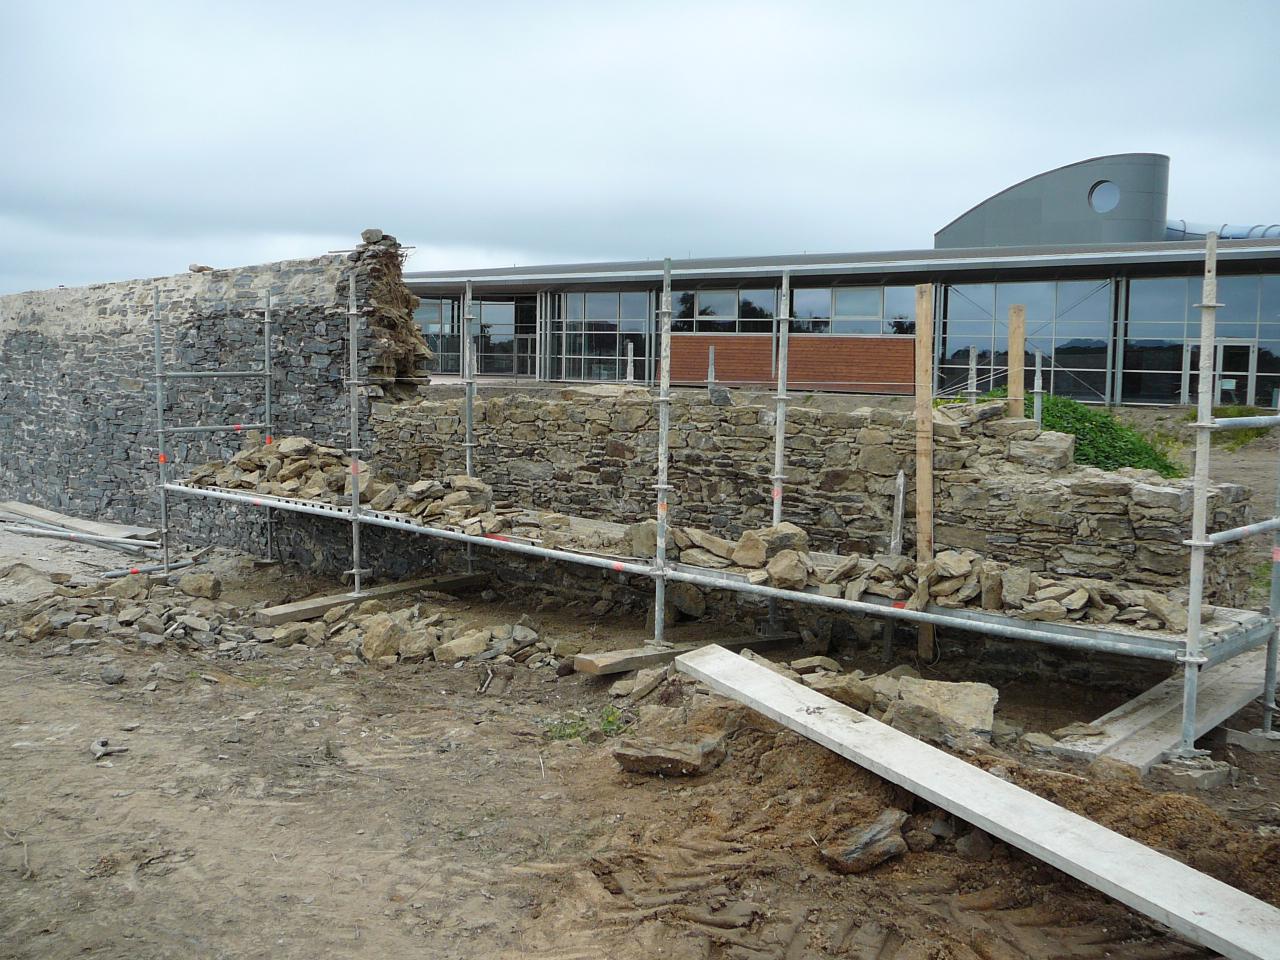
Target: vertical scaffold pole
780,422
469,398
353,386
1269,684
972,391
1016,380
631,362
1037,391
780,403
926,649
267,415
469,379
662,486
711,366
1192,657
162,456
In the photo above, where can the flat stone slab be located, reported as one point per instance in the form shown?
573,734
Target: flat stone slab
315,606
670,759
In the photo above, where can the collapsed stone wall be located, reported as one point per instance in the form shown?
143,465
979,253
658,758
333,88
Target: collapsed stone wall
77,401
1003,487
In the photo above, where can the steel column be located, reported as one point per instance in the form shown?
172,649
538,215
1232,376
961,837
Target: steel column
162,456
1037,392
353,451
659,571
1192,658
268,415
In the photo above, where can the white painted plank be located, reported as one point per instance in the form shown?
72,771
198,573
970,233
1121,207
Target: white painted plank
1143,730
1195,905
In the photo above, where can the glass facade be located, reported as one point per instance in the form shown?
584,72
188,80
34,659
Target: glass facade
1068,321
1105,339
1160,353
854,311
590,333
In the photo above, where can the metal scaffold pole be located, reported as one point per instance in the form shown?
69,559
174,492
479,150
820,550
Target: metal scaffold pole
1192,657
162,456
711,366
1037,391
267,416
780,405
662,486
353,385
972,391
780,422
1269,684
469,401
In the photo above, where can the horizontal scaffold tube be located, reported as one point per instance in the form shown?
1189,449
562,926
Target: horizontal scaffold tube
1246,423
1249,530
87,537
217,428
1009,631
208,374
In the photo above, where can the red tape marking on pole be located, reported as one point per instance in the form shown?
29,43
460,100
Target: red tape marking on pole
899,604
1275,554
134,570
269,439
237,426
618,565
494,536
777,493
256,503
163,459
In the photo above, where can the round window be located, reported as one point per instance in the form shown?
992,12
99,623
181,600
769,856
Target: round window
1103,196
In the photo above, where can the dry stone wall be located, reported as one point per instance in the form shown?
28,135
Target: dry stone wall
1004,488
77,402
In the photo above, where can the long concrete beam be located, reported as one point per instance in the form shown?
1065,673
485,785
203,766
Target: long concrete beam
1203,909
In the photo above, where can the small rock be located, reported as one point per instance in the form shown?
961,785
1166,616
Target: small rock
810,664
975,845
112,673
670,760
200,585
870,846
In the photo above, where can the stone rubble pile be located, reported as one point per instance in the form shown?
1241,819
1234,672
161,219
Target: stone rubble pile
779,556
134,613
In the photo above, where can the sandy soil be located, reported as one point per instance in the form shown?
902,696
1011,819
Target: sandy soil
290,807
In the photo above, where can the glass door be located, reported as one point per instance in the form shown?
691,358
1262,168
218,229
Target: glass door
1235,367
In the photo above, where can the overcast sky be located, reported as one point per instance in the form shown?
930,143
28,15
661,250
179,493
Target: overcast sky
140,137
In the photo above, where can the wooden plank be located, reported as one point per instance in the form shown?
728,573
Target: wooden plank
608,662
1142,731
1017,380
315,606
924,448
95,527
1191,903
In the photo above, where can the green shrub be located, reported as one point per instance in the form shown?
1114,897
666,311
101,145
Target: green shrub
1101,439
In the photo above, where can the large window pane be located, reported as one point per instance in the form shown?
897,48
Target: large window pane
1169,331
1038,298
717,303
490,363
961,335
812,304
900,306
1085,301
1269,356
971,301
755,326
858,302
1091,354
497,312
1152,355
1144,387
810,326
757,304
1270,312
635,305
855,326
573,306
715,324
1088,386
526,317
602,306
1157,300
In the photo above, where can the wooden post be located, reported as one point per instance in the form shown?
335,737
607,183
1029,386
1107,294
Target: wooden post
1017,361
924,447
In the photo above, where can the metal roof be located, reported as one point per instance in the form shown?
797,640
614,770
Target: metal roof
956,260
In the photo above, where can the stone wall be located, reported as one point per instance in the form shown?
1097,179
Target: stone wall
1003,488
77,400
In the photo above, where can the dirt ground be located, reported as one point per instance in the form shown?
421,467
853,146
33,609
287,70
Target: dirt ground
298,806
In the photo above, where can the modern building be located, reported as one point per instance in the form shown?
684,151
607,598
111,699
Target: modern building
1109,284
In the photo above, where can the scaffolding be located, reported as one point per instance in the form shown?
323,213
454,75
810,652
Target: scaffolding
1233,633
